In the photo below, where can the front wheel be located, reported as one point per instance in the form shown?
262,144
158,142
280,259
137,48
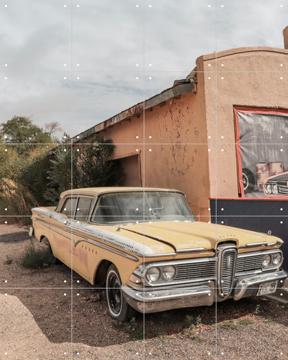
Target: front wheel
118,307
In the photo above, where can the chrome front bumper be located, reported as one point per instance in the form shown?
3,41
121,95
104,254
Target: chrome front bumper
149,300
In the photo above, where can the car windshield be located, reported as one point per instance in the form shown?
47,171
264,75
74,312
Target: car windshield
141,206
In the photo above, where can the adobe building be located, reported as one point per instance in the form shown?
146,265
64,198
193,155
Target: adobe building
220,135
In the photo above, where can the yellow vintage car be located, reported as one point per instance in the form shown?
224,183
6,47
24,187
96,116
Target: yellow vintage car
144,246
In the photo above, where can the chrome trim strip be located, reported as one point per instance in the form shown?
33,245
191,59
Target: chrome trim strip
263,252
94,242
106,236
192,250
260,244
106,247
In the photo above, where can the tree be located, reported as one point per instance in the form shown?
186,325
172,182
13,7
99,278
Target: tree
85,165
21,132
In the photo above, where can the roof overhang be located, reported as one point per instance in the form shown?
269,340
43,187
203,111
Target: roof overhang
179,88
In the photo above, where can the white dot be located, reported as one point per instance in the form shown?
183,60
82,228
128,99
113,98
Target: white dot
137,65
65,281
222,222
281,78
281,136
209,150
209,136
6,222
281,209
137,5
209,6
281,222
209,77
6,150
78,5
77,65
281,65
5,209
150,78
5,77
149,65
78,281
150,137
78,294
150,6
222,209
222,150
65,78
6,5
209,65
150,150
78,77
222,77
281,150
5,65
65,5
137,77
78,150
281,294
65,294
222,65
64,65
137,137
137,150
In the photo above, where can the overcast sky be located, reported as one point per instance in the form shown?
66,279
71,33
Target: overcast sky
78,62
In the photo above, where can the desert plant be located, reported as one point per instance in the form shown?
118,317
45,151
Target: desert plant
37,258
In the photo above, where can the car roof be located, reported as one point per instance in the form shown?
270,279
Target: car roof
93,191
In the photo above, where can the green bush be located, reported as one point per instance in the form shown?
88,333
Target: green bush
37,258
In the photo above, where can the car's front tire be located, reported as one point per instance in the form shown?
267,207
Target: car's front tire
118,307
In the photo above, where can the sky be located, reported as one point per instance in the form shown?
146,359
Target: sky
79,62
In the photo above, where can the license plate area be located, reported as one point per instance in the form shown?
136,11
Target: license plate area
267,288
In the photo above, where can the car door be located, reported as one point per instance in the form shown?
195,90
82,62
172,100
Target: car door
82,250
62,244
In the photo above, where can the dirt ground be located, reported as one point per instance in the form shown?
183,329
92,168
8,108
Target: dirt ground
52,313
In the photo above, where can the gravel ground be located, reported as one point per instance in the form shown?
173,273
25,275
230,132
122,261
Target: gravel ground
53,313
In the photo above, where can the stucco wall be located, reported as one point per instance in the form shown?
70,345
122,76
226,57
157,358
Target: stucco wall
248,77
171,141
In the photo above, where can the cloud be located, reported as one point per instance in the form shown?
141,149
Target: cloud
107,44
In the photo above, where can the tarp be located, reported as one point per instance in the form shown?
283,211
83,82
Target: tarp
262,149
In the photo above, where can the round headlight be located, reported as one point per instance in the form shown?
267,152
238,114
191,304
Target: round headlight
269,188
153,274
277,259
168,272
266,261
275,189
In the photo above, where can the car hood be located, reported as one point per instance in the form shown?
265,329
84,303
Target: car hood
181,236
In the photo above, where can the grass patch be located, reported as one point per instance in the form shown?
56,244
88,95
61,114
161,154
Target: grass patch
37,258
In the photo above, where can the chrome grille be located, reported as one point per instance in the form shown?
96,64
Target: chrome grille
249,263
196,270
282,189
227,258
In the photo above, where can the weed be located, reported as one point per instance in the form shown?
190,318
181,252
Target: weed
37,258
8,260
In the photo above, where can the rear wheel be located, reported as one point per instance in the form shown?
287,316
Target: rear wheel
118,307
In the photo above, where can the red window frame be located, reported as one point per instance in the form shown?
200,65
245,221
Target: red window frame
254,110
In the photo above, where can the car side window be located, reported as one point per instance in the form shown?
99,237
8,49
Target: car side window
69,207
83,208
